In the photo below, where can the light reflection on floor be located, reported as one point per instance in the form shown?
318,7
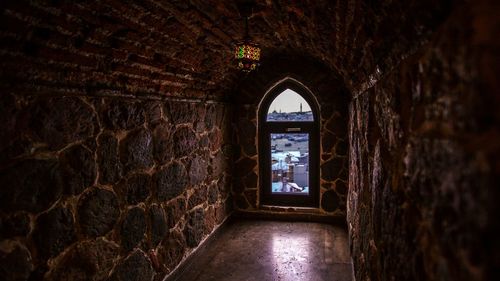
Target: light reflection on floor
274,251
291,256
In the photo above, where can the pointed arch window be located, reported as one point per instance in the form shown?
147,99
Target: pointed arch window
289,146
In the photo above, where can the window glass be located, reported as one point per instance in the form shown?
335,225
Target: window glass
289,107
290,163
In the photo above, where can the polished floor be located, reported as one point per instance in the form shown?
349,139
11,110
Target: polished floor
274,250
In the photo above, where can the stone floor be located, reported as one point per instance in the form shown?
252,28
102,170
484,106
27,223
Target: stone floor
274,250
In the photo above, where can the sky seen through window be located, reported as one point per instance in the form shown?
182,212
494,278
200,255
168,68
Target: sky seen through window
289,101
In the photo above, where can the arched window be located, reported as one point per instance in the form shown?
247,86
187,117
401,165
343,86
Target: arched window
289,146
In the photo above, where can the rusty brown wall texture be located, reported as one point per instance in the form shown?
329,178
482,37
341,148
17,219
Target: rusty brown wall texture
424,159
112,149
92,184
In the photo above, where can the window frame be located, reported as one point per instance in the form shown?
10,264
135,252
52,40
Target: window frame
266,128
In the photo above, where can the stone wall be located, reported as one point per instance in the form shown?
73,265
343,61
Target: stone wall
93,188
332,99
424,150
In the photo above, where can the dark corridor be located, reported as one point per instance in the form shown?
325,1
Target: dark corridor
129,135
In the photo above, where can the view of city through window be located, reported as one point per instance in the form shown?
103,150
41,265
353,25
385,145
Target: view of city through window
290,151
290,163
289,106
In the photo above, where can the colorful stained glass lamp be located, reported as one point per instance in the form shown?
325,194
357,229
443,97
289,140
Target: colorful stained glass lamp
247,53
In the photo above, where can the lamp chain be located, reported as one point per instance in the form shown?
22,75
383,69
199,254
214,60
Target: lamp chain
246,28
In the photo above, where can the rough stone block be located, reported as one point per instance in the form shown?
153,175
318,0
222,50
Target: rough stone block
54,231
158,224
246,133
110,167
60,121
180,112
198,170
210,117
210,220
241,202
331,169
222,113
86,260
328,142
79,169
198,197
136,150
133,228
237,185
244,167
15,264
330,201
213,193
204,142
195,227
97,212
175,211
215,137
122,115
163,143
341,148
220,213
153,112
171,181
251,196
341,187
136,188
251,181
135,267
219,164
224,184
31,185
172,250
184,141
249,149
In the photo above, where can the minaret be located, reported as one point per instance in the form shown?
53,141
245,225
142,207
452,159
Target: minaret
300,107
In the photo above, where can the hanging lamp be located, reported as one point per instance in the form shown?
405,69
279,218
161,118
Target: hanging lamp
247,52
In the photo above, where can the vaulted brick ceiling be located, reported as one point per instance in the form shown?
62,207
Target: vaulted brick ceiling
185,48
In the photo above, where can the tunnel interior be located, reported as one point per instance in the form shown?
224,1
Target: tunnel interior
128,135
